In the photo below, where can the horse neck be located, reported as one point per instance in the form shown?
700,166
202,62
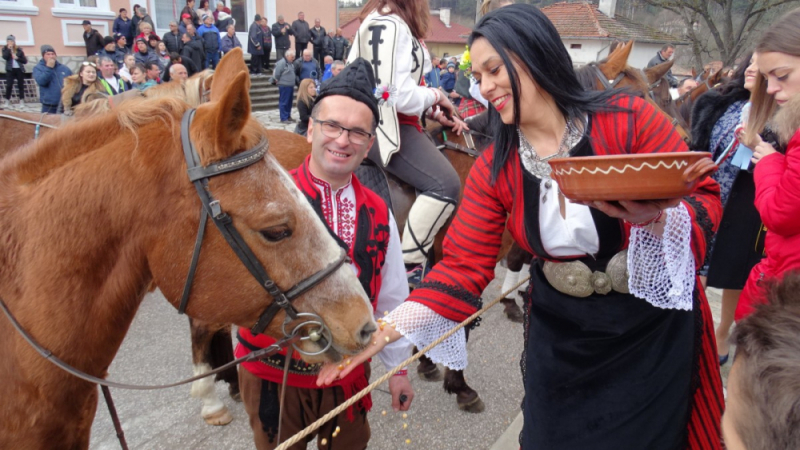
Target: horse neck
75,246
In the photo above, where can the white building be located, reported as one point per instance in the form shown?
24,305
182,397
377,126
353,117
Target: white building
588,30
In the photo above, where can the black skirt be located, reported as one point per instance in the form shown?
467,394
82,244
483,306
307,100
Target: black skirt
739,243
604,372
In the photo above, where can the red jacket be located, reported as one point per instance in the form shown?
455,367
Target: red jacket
777,180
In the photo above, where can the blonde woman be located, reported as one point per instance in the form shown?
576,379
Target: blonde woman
77,87
305,103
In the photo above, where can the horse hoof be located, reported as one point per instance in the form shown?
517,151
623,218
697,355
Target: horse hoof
472,405
433,374
219,418
512,311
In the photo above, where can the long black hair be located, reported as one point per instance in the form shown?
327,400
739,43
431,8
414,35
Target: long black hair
524,34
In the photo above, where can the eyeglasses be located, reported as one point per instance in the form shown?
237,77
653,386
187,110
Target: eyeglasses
89,63
334,130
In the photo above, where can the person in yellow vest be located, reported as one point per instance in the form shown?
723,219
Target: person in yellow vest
111,82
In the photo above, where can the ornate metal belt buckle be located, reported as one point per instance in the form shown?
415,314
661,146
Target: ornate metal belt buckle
601,282
617,270
571,278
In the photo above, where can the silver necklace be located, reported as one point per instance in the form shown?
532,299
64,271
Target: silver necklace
538,166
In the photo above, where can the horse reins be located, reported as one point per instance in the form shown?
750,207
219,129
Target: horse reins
38,124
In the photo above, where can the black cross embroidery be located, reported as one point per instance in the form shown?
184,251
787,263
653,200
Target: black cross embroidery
374,42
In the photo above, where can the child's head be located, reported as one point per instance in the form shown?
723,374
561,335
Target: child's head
764,383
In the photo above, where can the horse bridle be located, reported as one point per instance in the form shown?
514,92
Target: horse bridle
282,300
607,84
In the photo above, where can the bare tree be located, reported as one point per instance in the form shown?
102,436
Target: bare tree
729,22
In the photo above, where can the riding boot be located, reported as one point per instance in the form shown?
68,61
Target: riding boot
427,215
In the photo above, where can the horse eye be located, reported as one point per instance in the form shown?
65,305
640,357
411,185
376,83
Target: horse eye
276,234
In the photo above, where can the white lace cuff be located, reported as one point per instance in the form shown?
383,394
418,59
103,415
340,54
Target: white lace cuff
421,325
662,268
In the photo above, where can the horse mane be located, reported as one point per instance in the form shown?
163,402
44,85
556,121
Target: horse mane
191,91
588,78
50,152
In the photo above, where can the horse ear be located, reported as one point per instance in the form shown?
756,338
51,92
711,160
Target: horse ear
227,69
617,61
657,72
218,125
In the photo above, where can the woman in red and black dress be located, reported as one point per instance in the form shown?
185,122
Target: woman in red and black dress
607,369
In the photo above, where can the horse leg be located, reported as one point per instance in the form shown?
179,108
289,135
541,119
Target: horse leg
467,398
427,369
221,353
214,412
516,259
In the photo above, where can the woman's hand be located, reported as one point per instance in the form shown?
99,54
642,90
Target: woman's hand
761,150
331,371
634,211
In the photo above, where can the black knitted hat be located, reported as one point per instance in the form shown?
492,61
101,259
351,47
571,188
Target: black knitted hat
108,40
355,81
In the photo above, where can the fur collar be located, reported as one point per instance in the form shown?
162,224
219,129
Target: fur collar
787,121
708,109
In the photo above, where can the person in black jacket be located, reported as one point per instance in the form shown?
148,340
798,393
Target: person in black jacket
281,30
255,45
189,9
340,45
15,69
193,50
318,35
175,59
172,38
92,38
302,34
123,26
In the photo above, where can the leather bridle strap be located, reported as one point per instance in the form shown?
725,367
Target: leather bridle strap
608,85
199,176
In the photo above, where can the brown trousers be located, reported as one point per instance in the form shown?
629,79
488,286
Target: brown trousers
302,408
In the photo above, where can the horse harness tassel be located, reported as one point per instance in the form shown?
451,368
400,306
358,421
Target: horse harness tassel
212,208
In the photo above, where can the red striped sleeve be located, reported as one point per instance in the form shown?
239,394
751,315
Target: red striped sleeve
454,285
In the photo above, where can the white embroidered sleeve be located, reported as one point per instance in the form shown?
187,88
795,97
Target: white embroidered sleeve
662,268
394,291
421,325
412,99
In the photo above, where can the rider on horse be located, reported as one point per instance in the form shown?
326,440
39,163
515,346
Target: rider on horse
390,38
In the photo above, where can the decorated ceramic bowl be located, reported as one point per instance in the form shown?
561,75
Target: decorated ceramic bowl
649,176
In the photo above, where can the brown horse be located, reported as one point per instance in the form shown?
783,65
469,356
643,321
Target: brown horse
87,222
211,343
685,102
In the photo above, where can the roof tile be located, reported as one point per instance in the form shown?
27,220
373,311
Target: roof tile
585,20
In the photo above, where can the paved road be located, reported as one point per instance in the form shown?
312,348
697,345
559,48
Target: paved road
157,350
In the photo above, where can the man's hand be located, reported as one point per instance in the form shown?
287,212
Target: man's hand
50,61
401,385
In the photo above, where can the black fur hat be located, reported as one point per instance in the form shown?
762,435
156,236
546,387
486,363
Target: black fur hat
356,81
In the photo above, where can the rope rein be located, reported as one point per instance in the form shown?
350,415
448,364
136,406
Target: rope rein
352,400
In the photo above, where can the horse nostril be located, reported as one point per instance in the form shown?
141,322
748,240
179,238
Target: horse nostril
366,333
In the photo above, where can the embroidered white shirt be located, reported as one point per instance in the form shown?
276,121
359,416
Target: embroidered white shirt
339,210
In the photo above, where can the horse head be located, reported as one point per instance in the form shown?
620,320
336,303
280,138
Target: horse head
275,220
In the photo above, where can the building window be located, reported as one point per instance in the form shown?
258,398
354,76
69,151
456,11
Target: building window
25,7
77,3
84,9
575,46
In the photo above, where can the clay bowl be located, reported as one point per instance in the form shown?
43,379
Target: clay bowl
649,176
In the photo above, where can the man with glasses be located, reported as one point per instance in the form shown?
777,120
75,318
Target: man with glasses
341,132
